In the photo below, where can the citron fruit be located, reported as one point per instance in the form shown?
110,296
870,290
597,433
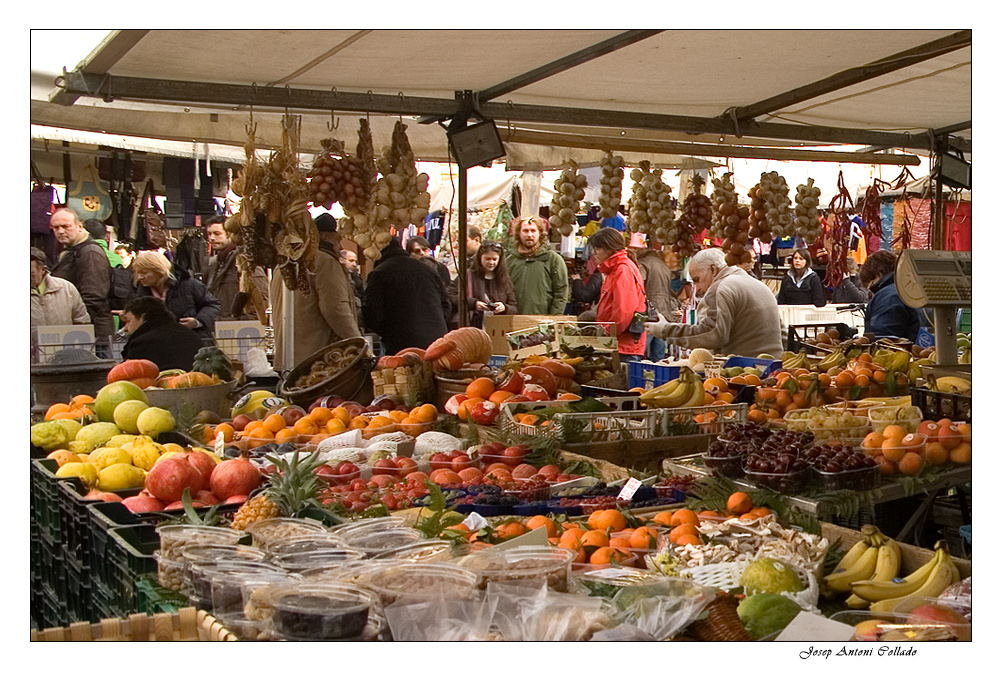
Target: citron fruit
119,477
127,413
154,421
108,455
85,472
113,394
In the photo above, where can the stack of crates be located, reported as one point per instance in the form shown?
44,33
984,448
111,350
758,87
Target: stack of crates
122,547
48,569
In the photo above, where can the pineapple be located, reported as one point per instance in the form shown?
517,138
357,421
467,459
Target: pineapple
291,489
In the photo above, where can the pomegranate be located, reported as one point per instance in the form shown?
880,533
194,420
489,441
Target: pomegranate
203,462
235,477
180,505
206,497
235,499
167,479
142,503
102,495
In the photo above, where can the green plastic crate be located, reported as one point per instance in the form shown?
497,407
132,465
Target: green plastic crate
130,557
79,599
154,598
45,498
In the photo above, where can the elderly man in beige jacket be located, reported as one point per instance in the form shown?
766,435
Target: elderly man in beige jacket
738,314
54,301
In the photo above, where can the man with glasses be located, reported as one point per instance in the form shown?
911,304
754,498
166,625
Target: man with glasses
420,248
738,314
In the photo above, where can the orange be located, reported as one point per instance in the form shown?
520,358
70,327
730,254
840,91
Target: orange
913,440
380,421
509,530
305,426
594,539
800,372
824,380
935,454
605,555
739,503
227,431
716,385
261,433
844,379
911,464
865,357
80,400
643,537
878,376
894,432
961,454
341,414
783,398
528,419
286,435
335,426
274,422
500,396
571,538
57,408
537,521
460,527
251,426
397,415
965,429
708,399
757,416
357,422
481,387
741,380
760,511
684,516
948,436
687,539
751,379
425,413
683,529
663,518
620,542
319,437
725,396
893,450
321,415
465,407
873,440
607,519
862,380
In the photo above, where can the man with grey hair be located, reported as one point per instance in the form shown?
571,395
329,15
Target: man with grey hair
738,316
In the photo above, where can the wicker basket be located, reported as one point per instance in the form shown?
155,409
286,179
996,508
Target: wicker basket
726,577
187,625
413,385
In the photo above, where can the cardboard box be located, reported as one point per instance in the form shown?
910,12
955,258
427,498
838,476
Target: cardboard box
497,326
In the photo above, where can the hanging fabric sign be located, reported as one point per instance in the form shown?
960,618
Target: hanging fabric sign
88,198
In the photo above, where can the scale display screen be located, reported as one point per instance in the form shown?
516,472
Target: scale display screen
939,267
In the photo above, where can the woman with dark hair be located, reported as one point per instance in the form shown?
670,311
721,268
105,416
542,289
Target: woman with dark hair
490,288
623,293
886,314
801,285
156,334
850,290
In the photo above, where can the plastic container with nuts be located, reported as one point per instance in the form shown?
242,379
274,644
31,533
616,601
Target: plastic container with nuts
227,587
303,543
320,558
426,550
906,416
173,538
200,577
320,612
531,565
421,581
375,541
170,574
268,531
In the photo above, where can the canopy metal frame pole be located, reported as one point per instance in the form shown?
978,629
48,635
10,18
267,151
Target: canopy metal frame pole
461,263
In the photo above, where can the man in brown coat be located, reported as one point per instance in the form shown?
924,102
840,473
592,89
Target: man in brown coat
85,264
322,317
223,278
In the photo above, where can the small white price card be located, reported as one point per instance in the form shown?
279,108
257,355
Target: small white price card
629,489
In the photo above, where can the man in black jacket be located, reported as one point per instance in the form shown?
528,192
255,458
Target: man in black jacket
406,303
85,264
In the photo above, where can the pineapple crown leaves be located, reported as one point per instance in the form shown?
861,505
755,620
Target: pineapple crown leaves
295,485
211,517
442,515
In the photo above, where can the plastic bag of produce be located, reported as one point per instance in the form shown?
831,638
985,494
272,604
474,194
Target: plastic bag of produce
442,619
529,613
661,609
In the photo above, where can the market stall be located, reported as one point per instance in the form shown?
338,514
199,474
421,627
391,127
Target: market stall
517,482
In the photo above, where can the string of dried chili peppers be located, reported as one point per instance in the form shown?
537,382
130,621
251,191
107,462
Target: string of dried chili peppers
840,234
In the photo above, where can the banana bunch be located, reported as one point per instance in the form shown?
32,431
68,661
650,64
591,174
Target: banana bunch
892,360
834,358
929,580
875,557
952,384
792,361
686,390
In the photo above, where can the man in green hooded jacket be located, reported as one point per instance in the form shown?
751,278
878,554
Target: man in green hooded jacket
539,273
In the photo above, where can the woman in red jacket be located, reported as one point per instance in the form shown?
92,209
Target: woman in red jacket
622,292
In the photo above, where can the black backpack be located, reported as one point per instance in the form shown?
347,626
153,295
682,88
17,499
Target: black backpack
121,287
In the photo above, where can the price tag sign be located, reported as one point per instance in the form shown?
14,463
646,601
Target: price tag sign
220,445
236,337
629,489
54,338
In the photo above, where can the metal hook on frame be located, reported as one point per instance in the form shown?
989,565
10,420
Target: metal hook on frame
334,123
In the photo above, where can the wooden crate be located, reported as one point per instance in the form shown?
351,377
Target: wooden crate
913,557
187,625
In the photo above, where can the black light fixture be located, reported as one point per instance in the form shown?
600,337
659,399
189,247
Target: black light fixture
474,145
953,171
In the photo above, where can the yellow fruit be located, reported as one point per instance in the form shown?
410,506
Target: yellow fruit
154,420
107,456
62,456
120,477
145,453
85,472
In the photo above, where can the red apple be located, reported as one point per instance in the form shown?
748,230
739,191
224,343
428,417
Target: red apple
459,463
439,460
384,466
405,466
240,421
383,480
292,414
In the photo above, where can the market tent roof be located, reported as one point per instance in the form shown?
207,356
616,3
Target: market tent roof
656,95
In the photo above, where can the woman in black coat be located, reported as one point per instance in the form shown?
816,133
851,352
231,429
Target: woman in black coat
801,285
850,290
155,334
405,303
185,296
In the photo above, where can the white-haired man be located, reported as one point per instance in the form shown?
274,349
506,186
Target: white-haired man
738,316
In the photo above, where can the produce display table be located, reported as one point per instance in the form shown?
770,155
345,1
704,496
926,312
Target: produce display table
887,492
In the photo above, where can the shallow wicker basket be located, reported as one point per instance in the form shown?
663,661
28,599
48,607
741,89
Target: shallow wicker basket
726,576
187,625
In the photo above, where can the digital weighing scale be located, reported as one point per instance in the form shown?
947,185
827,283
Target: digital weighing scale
940,280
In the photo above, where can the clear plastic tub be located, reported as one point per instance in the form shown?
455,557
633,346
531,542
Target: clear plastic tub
420,581
786,483
531,565
320,558
321,612
428,550
861,479
844,424
890,626
227,588
936,610
199,576
174,537
376,541
170,574
351,572
268,531
303,543
381,523
726,466
906,416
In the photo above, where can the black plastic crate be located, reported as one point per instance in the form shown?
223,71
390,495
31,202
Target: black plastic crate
53,612
36,609
130,557
104,604
74,523
103,517
797,335
51,568
936,405
45,498
79,600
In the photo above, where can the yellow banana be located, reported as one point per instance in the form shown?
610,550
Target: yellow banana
862,569
889,560
856,603
943,575
852,555
674,395
665,389
953,384
875,591
899,362
697,394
